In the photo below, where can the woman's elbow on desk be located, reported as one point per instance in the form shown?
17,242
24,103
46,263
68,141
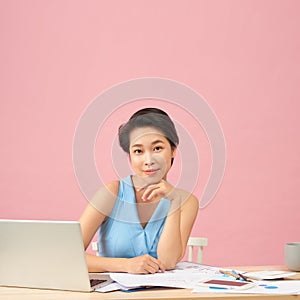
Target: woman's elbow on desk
170,265
169,262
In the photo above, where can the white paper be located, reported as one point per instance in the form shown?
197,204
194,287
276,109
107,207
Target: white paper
185,275
282,287
272,274
191,275
113,287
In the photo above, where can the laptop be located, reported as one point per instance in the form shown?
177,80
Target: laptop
47,255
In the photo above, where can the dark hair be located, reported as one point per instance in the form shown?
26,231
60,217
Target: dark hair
148,117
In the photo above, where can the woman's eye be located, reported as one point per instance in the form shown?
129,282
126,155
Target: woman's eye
157,148
137,151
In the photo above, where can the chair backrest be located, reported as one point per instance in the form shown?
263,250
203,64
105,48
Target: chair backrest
193,243
199,243
95,247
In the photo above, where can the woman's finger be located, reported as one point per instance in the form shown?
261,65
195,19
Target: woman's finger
148,191
155,194
152,265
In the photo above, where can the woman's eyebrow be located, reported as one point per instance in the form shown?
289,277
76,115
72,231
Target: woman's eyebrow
153,143
136,145
157,142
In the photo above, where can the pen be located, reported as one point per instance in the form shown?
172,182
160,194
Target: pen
241,276
244,277
218,288
234,272
235,275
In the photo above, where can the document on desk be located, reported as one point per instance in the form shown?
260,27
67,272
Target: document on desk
279,287
185,275
113,287
191,275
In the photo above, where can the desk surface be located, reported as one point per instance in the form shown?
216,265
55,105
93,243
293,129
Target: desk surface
9,293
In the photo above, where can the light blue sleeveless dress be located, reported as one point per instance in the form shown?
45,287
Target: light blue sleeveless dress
122,234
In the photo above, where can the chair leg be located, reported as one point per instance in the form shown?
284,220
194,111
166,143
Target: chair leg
190,254
199,256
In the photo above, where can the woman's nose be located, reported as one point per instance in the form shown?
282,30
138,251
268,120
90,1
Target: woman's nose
148,159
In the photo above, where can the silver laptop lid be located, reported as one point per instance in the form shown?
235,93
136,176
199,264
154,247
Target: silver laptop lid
43,254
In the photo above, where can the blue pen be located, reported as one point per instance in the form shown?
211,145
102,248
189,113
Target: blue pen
218,288
241,277
232,274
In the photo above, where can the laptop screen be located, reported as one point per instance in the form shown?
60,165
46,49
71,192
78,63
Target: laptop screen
43,254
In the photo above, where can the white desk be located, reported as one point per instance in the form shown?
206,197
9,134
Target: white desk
9,293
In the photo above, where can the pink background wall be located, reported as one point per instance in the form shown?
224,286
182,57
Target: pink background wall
242,56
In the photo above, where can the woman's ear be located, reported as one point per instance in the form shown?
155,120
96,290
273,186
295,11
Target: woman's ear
174,151
173,154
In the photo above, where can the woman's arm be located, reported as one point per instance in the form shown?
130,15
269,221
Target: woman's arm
182,214
143,264
169,247
97,210
177,229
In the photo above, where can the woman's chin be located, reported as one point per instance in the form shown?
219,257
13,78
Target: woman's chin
148,179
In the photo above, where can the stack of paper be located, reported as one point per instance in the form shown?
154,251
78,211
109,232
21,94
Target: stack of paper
185,275
282,287
269,274
191,275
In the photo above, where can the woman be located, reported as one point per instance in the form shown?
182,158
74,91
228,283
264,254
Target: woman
144,222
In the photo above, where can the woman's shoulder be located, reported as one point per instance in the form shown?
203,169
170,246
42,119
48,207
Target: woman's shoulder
188,199
105,197
113,187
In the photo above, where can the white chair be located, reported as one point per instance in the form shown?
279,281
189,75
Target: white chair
193,243
95,247
199,243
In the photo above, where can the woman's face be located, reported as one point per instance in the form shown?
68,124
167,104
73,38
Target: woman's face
150,154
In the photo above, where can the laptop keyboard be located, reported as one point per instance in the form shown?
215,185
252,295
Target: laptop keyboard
94,282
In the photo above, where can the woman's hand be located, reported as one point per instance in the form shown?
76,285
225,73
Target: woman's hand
144,264
155,192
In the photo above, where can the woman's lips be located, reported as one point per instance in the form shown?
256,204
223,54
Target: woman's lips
150,172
